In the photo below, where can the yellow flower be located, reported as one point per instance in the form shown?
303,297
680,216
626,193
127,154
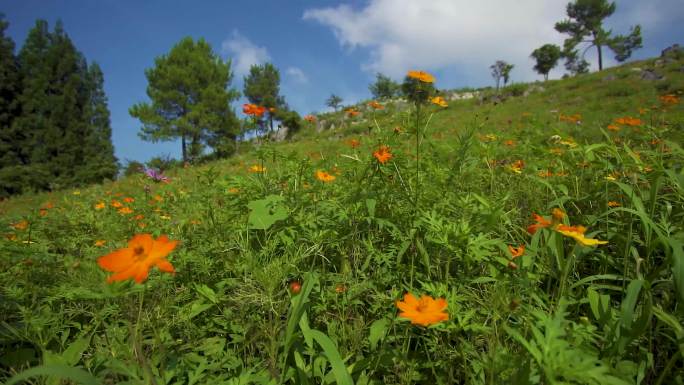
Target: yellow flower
425,311
76,192
613,204
256,168
438,100
422,76
577,233
324,176
100,243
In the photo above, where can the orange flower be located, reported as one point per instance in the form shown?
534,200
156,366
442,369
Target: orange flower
42,212
383,154
576,118
138,217
353,143
324,176
397,130
628,121
125,210
129,200
541,223
375,105
510,143
613,204
256,168
517,166
352,112
157,198
425,311
253,109
48,205
21,225
669,99
614,128
142,225
438,100
134,262
545,174
99,206
310,118
557,214
577,233
516,251
100,243
422,76
116,204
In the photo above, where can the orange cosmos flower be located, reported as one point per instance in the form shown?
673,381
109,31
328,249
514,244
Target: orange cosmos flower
134,262
383,154
669,99
324,176
613,204
422,76
116,204
21,225
628,121
510,143
352,112
253,109
545,174
99,206
138,217
353,143
576,118
100,243
425,311
557,214
516,251
517,166
310,118
129,200
614,128
541,223
577,233
48,205
375,105
42,212
125,210
438,100
256,168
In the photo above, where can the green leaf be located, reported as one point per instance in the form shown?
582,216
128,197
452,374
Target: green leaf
339,370
370,205
377,332
629,303
678,268
206,292
62,371
265,212
73,353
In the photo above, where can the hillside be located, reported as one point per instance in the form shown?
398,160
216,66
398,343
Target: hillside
547,219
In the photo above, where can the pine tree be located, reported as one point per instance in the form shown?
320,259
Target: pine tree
9,108
262,87
98,149
190,99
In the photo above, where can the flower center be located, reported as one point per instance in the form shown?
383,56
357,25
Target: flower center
139,252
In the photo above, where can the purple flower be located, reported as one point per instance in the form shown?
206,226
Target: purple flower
156,176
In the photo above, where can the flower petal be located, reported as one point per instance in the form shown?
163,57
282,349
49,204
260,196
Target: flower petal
117,261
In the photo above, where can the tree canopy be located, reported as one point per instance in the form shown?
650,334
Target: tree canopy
547,58
384,87
334,102
262,88
501,70
54,121
585,26
190,100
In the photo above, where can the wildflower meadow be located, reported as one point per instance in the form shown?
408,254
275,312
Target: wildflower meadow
530,235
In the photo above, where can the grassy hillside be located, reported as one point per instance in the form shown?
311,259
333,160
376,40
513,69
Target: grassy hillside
287,275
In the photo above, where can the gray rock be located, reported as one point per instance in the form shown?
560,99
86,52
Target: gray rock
674,49
280,134
650,75
532,89
320,125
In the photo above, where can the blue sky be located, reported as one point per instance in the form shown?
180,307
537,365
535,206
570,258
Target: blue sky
321,47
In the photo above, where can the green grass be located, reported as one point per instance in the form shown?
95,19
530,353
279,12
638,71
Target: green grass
437,224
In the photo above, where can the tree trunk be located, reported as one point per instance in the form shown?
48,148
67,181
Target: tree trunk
185,155
600,56
546,76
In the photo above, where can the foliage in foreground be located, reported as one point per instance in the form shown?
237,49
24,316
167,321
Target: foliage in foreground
292,257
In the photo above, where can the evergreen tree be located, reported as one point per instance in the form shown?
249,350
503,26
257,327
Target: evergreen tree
189,99
98,149
262,87
384,87
333,102
585,25
547,57
10,154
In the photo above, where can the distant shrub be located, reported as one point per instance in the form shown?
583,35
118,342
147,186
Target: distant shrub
164,162
619,90
133,167
516,89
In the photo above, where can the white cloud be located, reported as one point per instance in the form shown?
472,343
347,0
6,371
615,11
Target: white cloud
460,35
297,74
244,53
